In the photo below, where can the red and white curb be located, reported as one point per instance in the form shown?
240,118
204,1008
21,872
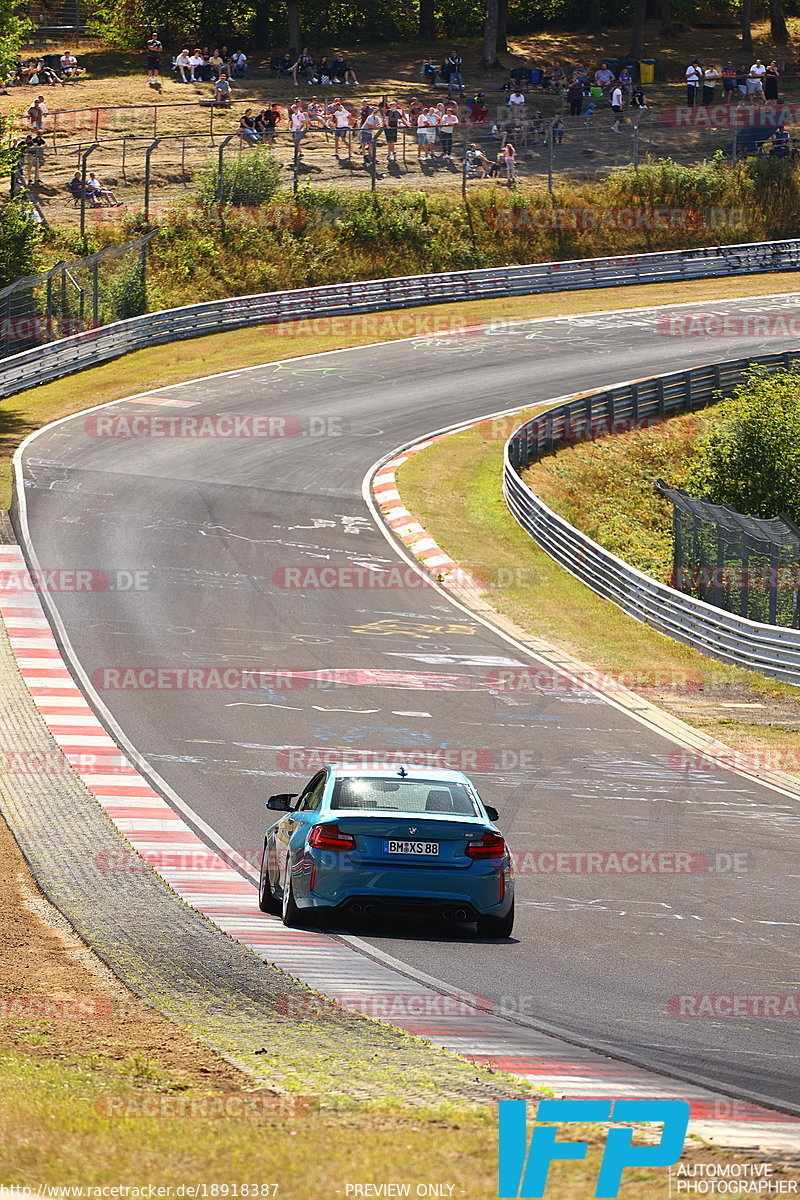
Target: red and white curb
402,523
204,879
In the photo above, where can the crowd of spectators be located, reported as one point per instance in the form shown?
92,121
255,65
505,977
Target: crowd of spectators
49,70
756,84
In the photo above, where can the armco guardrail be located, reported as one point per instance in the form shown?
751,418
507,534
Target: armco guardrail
44,364
770,649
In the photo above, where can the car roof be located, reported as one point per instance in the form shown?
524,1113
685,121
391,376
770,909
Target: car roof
392,770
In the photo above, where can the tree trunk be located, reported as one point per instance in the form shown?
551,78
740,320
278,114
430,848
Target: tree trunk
293,12
490,34
665,14
747,33
777,23
637,36
427,24
502,25
595,16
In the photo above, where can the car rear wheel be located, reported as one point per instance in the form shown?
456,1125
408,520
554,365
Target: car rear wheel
290,913
497,927
266,900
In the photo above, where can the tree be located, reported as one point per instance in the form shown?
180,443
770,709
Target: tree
638,33
750,458
293,12
665,15
490,28
747,33
502,26
13,29
427,22
777,23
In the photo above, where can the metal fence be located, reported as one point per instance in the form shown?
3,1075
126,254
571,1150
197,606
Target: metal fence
73,297
734,639
746,565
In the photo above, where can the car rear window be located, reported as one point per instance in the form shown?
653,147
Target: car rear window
403,795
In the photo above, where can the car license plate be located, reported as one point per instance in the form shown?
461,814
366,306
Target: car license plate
424,848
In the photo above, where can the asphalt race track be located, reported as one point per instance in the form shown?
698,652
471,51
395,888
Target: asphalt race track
215,522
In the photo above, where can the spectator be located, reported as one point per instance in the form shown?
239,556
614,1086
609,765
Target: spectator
755,81
516,103
322,71
617,106
637,99
304,67
196,64
728,81
298,123
103,194
575,97
183,66
478,112
48,75
247,128
694,77
425,134
266,122
477,162
154,49
625,81
393,119
368,131
742,75
216,64
69,66
342,120
239,64
455,64
285,65
518,76
711,76
222,89
557,78
447,123
205,71
510,161
771,78
557,131
780,142
342,73
75,186
603,77
37,113
414,109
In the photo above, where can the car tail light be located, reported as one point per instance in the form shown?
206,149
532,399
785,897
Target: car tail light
330,837
491,845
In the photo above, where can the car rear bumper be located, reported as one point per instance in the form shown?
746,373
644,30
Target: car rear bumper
481,891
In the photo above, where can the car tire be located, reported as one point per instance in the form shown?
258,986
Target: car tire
497,927
266,900
291,915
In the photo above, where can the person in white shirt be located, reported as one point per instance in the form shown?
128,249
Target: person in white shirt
516,102
694,77
298,124
196,64
341,121
183,66
369,127
711,77
617,106
425,134
755,81
447,123
239,64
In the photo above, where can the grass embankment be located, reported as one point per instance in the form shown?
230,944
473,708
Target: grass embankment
327,235
605,488
546,601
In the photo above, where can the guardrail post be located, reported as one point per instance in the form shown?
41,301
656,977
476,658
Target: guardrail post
84,159
222,146
148,152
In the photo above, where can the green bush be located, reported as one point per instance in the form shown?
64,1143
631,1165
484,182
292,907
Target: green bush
20,238
750,458
250,177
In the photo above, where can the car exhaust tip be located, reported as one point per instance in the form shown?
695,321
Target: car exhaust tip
447,913
356,909
460,914
368,910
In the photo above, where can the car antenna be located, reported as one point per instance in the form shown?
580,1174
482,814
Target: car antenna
403,773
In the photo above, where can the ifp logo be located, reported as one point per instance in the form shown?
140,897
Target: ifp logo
523,1168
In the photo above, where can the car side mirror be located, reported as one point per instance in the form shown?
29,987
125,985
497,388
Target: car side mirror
492,813
282,802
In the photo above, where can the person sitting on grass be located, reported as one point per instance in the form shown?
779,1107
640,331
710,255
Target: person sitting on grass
342,73
247,128
183,65
222,89
216,64
239,64
304,66
69,66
